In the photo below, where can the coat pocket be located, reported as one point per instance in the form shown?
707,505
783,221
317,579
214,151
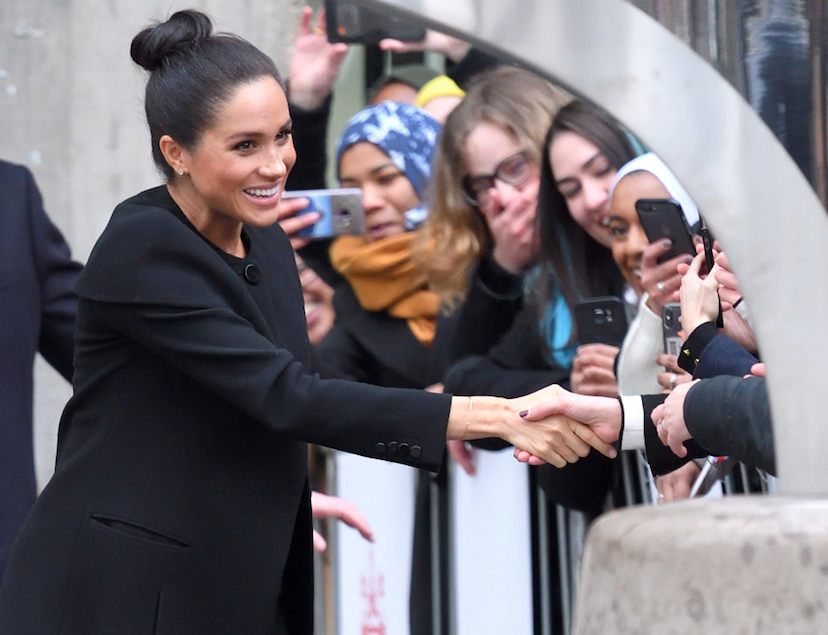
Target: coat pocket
138,531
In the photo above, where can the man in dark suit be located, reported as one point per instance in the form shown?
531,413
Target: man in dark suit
37,314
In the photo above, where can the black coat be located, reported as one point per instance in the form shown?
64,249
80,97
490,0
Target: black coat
180,503
37,314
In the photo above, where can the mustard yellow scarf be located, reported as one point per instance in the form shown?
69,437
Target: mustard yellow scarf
384,279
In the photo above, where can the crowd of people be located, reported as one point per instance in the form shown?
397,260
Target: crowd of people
212,341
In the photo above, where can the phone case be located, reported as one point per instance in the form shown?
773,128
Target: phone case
601,320
662,218
350,23
340,209
671,325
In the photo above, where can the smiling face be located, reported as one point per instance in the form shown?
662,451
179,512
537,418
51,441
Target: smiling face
387,194
237,171
583,175
628,238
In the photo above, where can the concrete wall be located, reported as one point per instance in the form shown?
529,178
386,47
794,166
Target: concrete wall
71,109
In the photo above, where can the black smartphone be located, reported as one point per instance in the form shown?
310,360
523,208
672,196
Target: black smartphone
601,320
353,24
340,212
671,325
662,218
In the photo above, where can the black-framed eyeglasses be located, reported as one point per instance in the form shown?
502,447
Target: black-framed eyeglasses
514,170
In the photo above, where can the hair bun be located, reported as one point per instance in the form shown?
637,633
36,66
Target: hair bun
180,33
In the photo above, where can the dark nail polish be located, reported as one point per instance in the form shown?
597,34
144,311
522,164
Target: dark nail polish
688,260
523,413
667,243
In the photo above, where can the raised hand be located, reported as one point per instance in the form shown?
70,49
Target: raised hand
451,47
291,223
660,280
513,228
699,296
315,63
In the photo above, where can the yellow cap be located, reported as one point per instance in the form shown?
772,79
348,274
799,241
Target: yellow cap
438,87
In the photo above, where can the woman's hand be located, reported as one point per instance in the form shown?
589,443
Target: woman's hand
668,419
674,375
593,370
699,296
324,506
513,228
677,484
595,420
660,280
728,284
290,223
453,48
463,454
315,63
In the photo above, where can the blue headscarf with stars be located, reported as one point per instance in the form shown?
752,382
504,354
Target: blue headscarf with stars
407,134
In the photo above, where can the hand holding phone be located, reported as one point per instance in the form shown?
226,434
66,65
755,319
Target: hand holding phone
709,261
663,218
340,212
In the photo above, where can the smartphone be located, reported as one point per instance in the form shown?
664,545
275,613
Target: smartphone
354,24
663,218
670,326
601,320
340,210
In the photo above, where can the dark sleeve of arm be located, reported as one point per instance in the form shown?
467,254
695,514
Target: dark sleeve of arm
222,352
494,298
659,456
708,353
339,356
474,63
57,274
310,133
731,416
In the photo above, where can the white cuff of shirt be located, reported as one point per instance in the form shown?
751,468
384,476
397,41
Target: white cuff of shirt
633,437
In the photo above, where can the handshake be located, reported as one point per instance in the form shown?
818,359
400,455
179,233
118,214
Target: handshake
560,427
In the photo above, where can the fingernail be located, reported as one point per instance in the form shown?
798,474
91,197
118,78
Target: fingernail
613,453
523,413
688,260
667,243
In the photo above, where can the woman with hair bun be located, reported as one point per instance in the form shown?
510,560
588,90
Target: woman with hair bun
180,501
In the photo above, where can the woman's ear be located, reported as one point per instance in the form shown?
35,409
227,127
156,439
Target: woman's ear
174,154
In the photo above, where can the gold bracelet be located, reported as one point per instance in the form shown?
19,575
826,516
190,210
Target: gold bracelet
468,421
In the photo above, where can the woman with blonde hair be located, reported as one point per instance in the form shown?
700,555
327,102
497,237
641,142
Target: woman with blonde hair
494,138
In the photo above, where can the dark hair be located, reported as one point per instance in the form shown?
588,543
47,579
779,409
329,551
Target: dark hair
192,73
583,267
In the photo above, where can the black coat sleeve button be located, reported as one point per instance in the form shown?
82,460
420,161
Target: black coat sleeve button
380,448
392,447
404,449
416,451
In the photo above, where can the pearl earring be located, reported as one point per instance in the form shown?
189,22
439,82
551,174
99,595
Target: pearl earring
180,171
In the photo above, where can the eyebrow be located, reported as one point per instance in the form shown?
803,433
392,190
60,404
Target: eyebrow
257,133
586,164
374,171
